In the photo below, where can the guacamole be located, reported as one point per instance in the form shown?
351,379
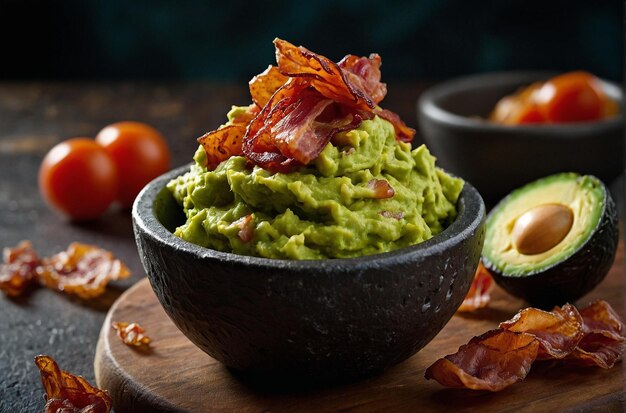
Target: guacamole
327,209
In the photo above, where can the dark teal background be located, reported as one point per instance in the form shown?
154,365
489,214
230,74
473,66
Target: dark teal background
428,39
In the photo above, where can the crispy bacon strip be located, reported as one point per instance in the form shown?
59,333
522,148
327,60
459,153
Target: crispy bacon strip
227,141
258,145
295,133
492,361
479,293
18,270
244,118
354,81
223,143
265,84
66,393
603,342
558,331
131,334
600,318
403,132
83,270
304,101
327,77
364,73
295,129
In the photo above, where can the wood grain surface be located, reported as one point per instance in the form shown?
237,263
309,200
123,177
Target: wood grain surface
174,375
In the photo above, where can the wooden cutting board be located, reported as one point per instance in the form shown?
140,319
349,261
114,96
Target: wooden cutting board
176,376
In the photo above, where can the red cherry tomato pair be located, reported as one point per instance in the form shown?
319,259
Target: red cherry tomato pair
571,97
81,177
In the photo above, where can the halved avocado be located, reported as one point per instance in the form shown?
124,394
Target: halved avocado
568,248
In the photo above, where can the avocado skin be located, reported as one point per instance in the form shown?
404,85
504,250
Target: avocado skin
573,277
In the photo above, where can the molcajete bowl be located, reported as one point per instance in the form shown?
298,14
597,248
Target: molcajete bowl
324,319
499,158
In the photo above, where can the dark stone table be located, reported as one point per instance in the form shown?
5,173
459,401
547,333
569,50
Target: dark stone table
33,118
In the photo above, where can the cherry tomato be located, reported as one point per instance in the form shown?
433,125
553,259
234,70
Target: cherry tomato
140,154
78,178
518,108
529,113
571,97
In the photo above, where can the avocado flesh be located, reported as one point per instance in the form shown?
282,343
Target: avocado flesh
572,267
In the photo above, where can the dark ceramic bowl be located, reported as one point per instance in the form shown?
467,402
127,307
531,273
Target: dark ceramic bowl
498,158
335,318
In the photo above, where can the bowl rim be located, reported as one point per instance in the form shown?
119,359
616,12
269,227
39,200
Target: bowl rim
428,107
471,215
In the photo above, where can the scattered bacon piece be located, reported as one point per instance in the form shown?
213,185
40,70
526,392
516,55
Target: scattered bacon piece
83,270
18,270
131,333
381,188
479,293
495,360
492,361
265,84
558,331
66,393
600,318
246,228
603,342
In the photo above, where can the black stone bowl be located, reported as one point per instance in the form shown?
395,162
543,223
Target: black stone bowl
499,158
326,319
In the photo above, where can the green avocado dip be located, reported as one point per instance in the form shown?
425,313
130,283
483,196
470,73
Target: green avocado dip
327,209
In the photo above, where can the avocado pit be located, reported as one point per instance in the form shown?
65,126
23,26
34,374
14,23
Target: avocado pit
541,228
552,240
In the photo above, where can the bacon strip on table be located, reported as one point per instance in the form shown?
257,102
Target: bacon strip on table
66,393
479,293
603,342
492,361
83,270
303,103
18,270
592,337
559,331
